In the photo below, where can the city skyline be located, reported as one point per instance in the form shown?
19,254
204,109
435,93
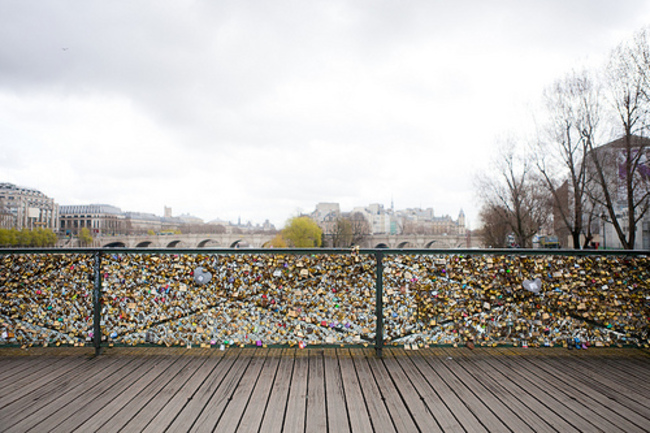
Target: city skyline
168,212
261,110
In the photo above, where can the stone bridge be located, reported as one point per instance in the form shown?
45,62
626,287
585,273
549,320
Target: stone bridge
261,240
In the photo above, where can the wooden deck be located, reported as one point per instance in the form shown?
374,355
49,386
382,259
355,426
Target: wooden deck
318,390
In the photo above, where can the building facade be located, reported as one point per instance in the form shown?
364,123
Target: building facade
27,208
99,219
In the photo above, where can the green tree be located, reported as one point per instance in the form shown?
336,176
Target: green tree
24,238
27,238
84,236
302,232
278,242
6,238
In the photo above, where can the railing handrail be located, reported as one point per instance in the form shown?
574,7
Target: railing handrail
365,251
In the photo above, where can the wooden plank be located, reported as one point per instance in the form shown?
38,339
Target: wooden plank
294,419
613,411
37,399
484,401
118,412
413,401
624,370
88,389
634,387
337,413
429,366
274,415
598,410
536,401
387,411
203,417
22,370
238,402
608,385
92,398
621,367
191,410
316,416
528,409
176,396
146,404
357,411
431,399
571,411
469,398
120,394
252,418
37,381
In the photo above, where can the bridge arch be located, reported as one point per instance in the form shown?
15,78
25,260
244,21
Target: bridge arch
175,244
405,244
381,245
115,245
240,243
430,244
144,244
207,243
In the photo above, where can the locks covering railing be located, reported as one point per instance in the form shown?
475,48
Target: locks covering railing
263,297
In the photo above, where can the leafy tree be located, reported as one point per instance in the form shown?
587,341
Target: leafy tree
278,242
302,232
24,238
84,236
27,238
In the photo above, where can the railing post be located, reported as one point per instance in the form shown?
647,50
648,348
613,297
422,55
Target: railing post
97,312
379,303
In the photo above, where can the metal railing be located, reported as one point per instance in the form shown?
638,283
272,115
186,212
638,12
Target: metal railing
263,297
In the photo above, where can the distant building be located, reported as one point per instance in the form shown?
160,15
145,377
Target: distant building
389,221
611,157
99,219
379,220
419,221
22,207
326,216
190,219
142,223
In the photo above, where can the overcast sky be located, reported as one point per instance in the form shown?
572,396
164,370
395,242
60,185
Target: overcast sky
261,109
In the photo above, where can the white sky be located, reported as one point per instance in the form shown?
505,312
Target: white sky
261,109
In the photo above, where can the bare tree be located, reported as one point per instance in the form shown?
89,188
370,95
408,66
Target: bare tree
341,233
516,196
349,230
494,229
360,228
621,169
573,113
